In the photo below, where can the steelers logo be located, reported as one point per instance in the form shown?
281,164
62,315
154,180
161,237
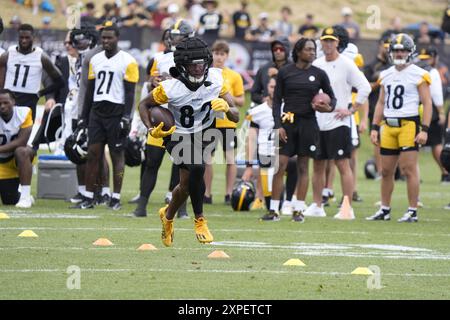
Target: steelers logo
329,31
355,142
340,152
312,148
312,78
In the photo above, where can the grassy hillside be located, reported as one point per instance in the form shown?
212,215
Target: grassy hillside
326,11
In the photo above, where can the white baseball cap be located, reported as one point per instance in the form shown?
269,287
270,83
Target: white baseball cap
263,15
173,8
346,11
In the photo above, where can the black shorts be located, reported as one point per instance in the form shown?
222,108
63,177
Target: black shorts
106,131
335,144
27,100
187,150
435,134
303,138
228,139
9,191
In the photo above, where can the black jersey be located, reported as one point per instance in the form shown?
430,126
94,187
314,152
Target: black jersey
296,88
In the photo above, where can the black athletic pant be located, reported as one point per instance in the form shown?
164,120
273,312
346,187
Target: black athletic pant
291,180
153,159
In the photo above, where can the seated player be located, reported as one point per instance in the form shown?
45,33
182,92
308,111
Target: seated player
194,95
15,157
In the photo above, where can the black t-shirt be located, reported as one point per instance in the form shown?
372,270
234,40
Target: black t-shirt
297,87
372,72
242,22
211,23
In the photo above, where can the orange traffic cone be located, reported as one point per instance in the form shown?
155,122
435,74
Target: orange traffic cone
346,211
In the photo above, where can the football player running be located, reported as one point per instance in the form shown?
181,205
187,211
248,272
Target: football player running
396,126
194,95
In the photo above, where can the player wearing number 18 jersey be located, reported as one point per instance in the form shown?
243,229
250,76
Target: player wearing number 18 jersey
193,98
396,125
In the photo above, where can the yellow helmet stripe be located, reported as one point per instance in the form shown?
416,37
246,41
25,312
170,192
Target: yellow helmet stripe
241,199
177,24
399,38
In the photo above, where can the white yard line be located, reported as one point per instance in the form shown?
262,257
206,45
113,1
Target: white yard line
225,271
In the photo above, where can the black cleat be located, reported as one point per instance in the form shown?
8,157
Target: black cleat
298,216
104,199
356,197
134,200
207,200
271,216
85,204
409,216
383,215
114,204
227,200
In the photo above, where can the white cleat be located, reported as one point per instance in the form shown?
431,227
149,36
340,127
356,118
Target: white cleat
25,202
314,211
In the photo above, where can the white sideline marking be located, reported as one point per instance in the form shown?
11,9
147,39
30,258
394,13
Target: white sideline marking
412,234
287,272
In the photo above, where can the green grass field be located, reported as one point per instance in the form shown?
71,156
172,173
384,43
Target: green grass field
413,258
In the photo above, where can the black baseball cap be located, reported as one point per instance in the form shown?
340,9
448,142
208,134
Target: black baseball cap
329,33
427,53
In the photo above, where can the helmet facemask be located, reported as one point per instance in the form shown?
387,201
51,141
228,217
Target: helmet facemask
401,42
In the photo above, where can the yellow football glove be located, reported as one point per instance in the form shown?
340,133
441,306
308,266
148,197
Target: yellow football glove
159,133
220,105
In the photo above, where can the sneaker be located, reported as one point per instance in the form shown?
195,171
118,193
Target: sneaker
409,216
25,202
447,207
167,227
138,213
114,204
104,199
356,197
77,198
86,204
297,216
207,200
381,214
271,216
314,211
340,215
286,209
227,200
202,232
258,204
168,197
135,199
325,201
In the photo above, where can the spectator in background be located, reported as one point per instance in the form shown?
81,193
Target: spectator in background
309,29
210,22
283,27
110,13
262,32
15,23
446,20
241,21
137,16
396,27
348,23
424,36
46,23
88,17
173,15
195,11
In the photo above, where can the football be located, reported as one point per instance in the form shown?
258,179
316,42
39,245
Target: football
321,97
160,114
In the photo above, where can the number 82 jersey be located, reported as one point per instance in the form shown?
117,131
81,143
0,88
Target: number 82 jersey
401,94
191,109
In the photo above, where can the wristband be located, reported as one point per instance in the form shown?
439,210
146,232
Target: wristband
375,127
425,128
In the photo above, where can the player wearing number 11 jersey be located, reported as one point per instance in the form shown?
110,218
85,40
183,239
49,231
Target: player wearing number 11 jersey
396,125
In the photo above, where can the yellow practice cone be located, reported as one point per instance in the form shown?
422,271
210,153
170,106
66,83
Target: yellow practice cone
147,247
3,216
362,271
218,254
103,242
294,262
28,234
